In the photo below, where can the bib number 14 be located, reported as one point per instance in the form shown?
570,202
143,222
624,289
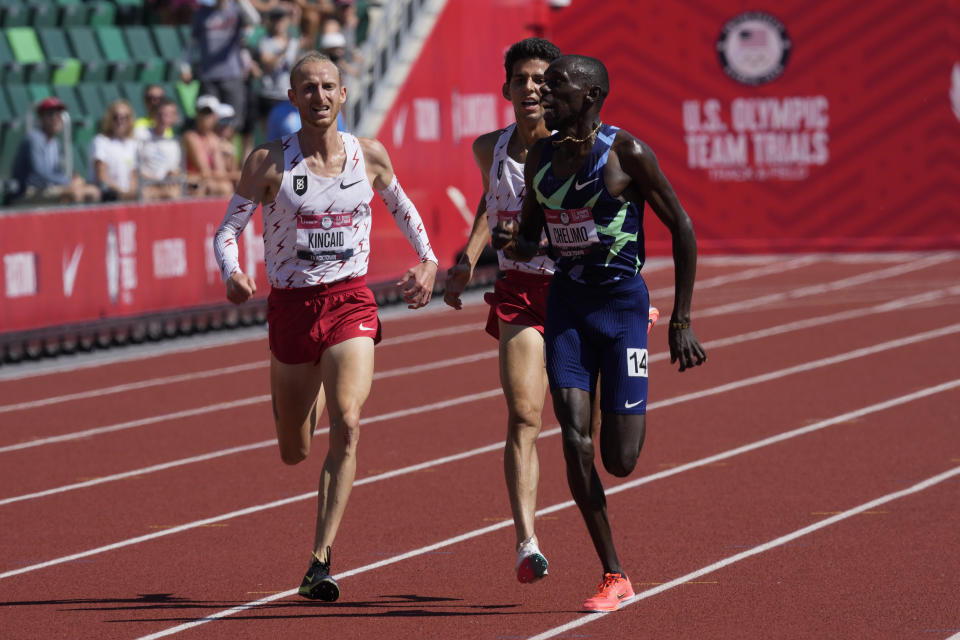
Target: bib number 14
637,363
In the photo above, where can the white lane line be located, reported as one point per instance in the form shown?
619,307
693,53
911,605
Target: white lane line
223,406
745,306
740,276
779,373
221,371
766,546
792,326
852,415
191,343
458,329
402,413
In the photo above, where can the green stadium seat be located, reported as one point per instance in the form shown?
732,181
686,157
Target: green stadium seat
81,159
39,92
187,94
7,114
133,92
170,48
129,11
93,104
19,98
55,46
101,14
27,51
25,45
75,107
43,13
184,31
122,68
13,134
66,72
73,13
66,69
109,91
14,13
82,137
150,66
84,44
10,70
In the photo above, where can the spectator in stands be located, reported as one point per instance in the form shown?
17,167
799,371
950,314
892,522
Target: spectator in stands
349,23
206,173
334,45
277,53
160,156
113,154
39,165
216,50
312,15
153,94
227,131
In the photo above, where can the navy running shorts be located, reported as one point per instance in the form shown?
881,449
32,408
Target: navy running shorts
599,329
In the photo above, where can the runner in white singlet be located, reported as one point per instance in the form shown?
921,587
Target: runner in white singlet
315,187
518,301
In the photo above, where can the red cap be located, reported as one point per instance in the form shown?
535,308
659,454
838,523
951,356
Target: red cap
52,103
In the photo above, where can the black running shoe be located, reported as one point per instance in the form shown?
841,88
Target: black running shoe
318,584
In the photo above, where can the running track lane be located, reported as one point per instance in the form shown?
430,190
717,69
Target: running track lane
247,486
645,453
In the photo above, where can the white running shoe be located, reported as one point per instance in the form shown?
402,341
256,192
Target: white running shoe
531,564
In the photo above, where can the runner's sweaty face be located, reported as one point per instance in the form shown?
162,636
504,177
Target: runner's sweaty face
317,94
561,96
523,90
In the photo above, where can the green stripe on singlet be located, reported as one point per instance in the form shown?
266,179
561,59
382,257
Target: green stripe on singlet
555,201
615,230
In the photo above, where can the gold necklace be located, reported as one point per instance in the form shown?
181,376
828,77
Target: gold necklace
557,143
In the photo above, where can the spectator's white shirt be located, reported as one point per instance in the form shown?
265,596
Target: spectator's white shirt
159,155
119,156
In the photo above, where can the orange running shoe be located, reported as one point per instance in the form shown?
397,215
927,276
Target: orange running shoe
612,591
654,316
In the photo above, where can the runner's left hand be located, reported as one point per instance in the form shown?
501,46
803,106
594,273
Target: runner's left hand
685,348
416,285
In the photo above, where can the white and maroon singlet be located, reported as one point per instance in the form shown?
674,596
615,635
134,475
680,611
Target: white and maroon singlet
505,200
317,229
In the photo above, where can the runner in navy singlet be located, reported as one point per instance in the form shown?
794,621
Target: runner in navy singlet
586,186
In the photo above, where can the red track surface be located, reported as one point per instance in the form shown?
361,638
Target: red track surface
105,560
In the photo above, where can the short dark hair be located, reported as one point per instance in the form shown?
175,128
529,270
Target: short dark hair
590,71
529,49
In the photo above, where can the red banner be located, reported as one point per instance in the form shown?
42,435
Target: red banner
782,126
82,264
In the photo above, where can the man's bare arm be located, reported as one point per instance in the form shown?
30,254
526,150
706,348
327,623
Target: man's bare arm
460,274
416,285
258,182
639,163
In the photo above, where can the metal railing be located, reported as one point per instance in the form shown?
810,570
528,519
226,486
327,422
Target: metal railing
393,43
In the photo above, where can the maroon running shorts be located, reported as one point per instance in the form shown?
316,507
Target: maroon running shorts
306,320
518,298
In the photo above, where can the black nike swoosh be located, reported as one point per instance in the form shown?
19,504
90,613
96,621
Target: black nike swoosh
347,186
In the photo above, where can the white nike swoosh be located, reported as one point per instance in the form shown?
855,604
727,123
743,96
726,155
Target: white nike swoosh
579,186
363,328
70,270
631,405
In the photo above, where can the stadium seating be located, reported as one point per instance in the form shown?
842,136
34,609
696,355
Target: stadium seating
150,65
27,52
